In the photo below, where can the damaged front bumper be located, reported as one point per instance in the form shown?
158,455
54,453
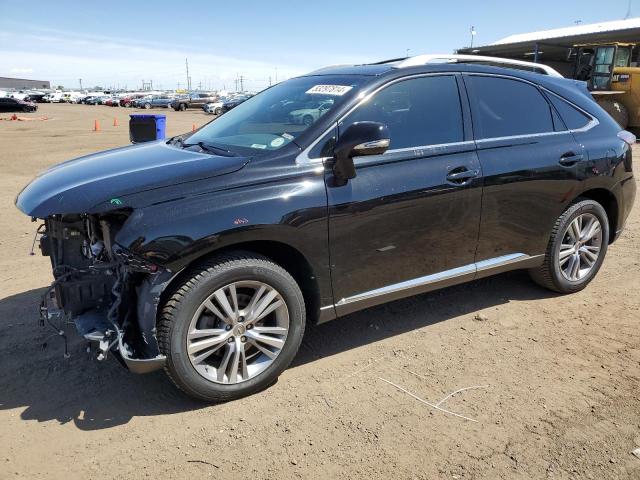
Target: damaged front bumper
111,296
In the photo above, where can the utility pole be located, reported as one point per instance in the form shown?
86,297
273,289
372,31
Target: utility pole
241,83
269,80
80,84
628,15
473,34
406,53
186,62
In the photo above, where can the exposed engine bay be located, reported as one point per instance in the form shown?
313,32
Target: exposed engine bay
111,295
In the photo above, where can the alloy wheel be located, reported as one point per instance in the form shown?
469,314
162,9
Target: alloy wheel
580,248
237,332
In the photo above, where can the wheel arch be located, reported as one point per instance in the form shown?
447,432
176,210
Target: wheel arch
285,255
610,204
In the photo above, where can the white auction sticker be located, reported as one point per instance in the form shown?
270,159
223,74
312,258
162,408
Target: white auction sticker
329,89
276,142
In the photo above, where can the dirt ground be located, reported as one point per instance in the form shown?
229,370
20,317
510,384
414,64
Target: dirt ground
557,377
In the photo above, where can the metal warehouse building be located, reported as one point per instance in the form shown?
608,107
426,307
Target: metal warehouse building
23,83
554,47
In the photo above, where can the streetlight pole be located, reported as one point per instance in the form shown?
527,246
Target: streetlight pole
406,53
473,34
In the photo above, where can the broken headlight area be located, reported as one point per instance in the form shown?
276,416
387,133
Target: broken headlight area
108,292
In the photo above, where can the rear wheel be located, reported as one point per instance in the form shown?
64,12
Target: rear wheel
617,110
147,106
182,107
576,249
231,327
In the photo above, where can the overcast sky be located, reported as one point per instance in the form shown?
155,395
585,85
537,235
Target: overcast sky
121,43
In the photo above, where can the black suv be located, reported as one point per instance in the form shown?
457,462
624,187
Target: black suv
207,254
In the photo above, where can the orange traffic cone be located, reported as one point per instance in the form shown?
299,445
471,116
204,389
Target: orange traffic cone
193,127
115,121
96,126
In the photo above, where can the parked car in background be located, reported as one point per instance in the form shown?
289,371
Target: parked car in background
8,104
215,108
35,97
71,97
20,95
155,101
233,103
311,112
55,97
127,101
194,100
95,100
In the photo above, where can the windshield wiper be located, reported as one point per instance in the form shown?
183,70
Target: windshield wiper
211,148
176,140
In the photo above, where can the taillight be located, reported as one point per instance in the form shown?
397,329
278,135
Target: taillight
627,137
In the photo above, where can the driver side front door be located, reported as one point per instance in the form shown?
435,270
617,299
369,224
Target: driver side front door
408,222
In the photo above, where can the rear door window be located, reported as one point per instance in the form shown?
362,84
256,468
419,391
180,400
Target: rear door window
503,107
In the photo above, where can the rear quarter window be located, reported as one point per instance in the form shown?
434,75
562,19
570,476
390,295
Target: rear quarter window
573,118
504,107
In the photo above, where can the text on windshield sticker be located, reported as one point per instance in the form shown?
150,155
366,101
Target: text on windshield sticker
329,89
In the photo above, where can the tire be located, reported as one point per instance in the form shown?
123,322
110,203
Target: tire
617,111
182,107
217,111
552,274
307,120
147,106
184,310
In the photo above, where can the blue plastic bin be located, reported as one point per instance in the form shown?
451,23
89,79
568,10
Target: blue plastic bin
146,127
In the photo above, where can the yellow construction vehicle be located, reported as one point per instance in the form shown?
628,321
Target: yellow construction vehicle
614,81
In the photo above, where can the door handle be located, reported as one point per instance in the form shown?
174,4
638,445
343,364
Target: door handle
460,175
569,159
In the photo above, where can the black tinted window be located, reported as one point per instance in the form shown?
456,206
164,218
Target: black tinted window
505,107
420,111
572,117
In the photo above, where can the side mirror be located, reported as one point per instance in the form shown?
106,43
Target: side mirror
361,138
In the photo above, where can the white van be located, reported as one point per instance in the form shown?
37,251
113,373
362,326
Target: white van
55,97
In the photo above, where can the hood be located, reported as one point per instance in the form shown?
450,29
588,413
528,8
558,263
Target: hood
86,183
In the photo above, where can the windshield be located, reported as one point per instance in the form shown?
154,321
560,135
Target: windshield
278,115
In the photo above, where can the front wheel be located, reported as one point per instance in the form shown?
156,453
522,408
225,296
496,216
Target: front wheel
576,250
147,106
232,326
182,107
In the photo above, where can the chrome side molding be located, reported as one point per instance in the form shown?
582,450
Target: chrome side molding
435,281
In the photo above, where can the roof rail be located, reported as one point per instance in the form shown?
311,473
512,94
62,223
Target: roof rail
457,58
